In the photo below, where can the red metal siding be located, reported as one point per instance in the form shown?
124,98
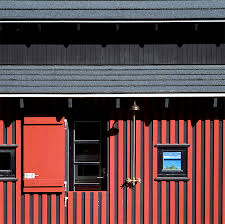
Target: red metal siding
41,208
200,200
10,132
87,207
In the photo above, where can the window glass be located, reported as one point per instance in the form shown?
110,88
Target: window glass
172,160
89,156
87,130
87,152
88,170
5,161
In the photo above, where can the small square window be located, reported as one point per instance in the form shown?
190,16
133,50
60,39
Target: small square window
172,160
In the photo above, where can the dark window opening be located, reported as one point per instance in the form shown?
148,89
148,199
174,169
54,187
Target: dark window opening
7,162
172,160
87,131
88,152
89,156
87,170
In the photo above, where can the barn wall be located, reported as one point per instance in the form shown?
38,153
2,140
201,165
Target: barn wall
124,54
199,200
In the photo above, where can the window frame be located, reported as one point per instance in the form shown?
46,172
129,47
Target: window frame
101,184
172,148
11,149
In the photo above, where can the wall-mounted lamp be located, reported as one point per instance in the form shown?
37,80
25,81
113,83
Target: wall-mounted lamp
133,180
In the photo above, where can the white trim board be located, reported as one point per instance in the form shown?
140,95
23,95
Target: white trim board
115,21
132,95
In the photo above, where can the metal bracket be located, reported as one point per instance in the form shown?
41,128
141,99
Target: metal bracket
117,103
21,103
65,185
132,183
66,124
167,103
65,201
215,102
70,103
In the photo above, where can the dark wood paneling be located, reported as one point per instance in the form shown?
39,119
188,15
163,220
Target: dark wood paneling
112,54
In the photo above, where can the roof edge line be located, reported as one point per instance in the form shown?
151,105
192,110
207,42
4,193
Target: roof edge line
131,95
118,21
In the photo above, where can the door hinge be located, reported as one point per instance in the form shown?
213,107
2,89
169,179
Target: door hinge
65,185
66,124
65,201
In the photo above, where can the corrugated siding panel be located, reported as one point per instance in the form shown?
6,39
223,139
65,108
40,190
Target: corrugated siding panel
87,207
198,200
41,208
10,133
116,54
7,202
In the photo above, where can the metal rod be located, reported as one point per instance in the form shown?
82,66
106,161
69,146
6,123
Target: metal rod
133,169
132,181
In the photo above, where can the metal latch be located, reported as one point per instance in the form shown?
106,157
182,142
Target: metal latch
30,175
65,185
65,201
66,124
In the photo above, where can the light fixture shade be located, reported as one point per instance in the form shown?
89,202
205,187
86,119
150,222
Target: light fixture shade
135,107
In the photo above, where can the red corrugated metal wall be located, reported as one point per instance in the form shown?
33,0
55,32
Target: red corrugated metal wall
199,200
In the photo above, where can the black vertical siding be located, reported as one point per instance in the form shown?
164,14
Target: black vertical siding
211,169
99,207
220,171
39,209
142,175
116,175
150,170
75,206
159,188
194,173
202,171
185,183
5,201
32,208
120,54
83,208
168,183
22,209
124,171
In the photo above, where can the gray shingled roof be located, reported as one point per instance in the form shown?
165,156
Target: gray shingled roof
119,10
113,79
